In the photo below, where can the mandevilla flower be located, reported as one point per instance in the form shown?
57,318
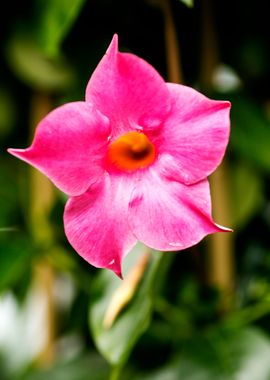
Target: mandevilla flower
134,159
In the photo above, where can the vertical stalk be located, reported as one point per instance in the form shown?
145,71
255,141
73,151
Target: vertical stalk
220,246
41,201
220,254
173,56
44,285
209,46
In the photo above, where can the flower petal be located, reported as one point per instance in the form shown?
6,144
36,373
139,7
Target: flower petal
195,135
96,223
129,91
69,146
167,215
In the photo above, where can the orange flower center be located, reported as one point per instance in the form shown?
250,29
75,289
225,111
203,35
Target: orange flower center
131,151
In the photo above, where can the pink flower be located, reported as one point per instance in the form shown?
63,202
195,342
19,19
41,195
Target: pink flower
134,158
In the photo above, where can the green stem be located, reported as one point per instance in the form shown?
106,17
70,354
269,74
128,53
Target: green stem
249,314
115,373
174,316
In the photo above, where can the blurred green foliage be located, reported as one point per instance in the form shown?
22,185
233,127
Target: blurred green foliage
116,342
34,68
52,22
173,328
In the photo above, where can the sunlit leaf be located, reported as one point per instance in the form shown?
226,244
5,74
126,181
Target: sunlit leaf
188,3
116,342
33,68
54,19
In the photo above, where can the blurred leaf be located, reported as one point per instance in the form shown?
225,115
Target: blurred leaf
54,20
246,193
7,112
15,254
168,373
8,193
221,354
83,368
250,133
117,342
3,371
61,259
188,3
229,354
253,57
32,67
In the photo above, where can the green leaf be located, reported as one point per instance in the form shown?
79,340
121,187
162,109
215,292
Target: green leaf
116,343
221,354
54,20
82,368
188,3
250,132
31,65
7,112
9,193
246,193
15,257
230,354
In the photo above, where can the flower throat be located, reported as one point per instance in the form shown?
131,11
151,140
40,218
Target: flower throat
131,151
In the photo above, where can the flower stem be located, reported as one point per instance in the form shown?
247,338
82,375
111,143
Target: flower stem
116,373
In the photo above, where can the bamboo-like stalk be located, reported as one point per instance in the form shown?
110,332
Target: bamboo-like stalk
209,46
41,201
220,268
172,48
220,256
44,280
220,246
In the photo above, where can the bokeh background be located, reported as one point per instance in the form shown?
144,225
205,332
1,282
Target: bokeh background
199,314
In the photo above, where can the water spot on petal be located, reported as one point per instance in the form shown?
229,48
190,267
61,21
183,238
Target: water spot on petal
176,244
151,123
111,262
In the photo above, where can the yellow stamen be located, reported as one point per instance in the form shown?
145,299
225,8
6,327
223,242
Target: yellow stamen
131,151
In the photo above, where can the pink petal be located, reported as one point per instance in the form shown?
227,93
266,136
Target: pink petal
195,135
96,223
167,215
129,91
69,147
